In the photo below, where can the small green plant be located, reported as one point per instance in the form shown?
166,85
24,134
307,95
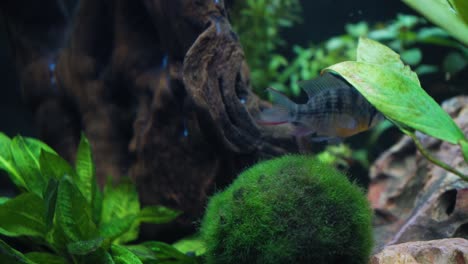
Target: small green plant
259,24
382,78
61,216
293,209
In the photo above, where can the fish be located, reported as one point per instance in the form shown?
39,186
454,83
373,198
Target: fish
335,110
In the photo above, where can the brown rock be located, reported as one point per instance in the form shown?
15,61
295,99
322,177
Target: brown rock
443,251
415,200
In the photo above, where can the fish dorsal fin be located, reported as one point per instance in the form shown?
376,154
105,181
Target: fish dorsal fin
322,83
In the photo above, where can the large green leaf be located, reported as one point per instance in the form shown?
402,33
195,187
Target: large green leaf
157,214
7,162
442,14
461,7
50,201
192,244
9,255
120,203
26,157
23,216
159,252
84,247
73,213
395,91
85,169
121,255
45,258
53,166
26,153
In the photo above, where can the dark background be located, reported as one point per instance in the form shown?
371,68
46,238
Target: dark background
321,20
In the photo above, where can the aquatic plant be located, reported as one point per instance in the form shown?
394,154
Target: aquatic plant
258,24
452,15
65,218
382,78
271,68
293,209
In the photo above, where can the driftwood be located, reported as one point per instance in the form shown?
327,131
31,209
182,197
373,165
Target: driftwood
160,88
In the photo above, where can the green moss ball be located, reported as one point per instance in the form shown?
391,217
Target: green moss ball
292,209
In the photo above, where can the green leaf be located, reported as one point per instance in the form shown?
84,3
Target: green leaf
9,255
166,252
50,199
441,13
464,147
118,227
412,56
85,169
119,203
23,216
53,166
461,7
100,256
157,214
26,156
454,62
45,258
191,244
159,252
73,213
122,255
7,163
4,200
395,91
84,247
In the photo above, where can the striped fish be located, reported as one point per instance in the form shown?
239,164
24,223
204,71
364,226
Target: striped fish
335,110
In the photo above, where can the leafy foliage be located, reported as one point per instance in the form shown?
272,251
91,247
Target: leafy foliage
62,210
382,78
451,15
259,24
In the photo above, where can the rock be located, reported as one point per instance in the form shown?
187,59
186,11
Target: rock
415,200
443,251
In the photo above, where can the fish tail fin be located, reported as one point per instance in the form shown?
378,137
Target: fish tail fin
280,113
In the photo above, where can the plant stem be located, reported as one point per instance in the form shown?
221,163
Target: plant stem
434,160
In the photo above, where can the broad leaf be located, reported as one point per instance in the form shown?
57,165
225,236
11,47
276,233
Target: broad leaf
461,7
122,255
442,14
7,163
100,256
9,255
191,244
84,247
396,93
45,258
4,200
26,156
53,166
50,200
166,253
157,214
119,203
464,147
85,169
23,216
118,227
73,213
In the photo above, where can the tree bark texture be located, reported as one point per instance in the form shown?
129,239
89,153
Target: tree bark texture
160,88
